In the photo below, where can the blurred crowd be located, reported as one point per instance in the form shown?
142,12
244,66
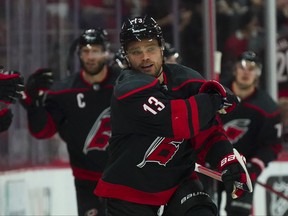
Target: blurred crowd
239,23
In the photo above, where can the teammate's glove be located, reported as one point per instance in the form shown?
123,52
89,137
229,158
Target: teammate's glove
11,86
234,175
5,119
229,100
255,166
37,83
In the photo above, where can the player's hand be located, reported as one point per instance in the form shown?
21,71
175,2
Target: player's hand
235,176
229,100
11,86
37,84
5,119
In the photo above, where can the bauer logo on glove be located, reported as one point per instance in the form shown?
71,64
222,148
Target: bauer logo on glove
235,175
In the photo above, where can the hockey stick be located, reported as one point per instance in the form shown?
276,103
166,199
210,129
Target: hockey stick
271,189
208,172
213,174
217,176
240,160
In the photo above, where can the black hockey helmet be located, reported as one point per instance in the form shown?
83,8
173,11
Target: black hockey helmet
89,36
250,56
140,28
94,36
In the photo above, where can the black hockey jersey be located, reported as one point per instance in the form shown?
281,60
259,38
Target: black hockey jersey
254,127
154,141
72,108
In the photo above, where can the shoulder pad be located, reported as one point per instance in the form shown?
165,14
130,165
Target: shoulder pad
264,102
182,72
183,77
130,82
65,83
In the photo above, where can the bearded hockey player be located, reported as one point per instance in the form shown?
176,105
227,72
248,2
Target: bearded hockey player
73,107
254,127
164,116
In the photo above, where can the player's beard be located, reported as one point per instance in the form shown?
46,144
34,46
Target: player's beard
94,70
156,70
160,70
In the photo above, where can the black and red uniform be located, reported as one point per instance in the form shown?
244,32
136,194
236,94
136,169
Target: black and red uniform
71,108
11,84
254,128
157,132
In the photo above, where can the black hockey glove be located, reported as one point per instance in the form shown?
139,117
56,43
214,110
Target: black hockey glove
11,86
235,176
255,167
229,100
37,84
5,119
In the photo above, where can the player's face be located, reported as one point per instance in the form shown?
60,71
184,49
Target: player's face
93,58
145,56
246,74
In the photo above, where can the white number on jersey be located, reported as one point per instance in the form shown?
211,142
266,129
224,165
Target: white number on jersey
153,106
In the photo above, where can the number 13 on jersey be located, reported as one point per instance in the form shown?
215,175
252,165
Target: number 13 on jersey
153,105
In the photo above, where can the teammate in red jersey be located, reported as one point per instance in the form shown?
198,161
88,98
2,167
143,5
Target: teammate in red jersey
254,127
71,108
11,85
164,116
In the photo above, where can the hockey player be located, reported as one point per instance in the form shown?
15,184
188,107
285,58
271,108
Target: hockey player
71,108
164,116
254,127
11,86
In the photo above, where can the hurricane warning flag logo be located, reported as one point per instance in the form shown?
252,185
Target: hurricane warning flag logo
236,129
161,151
100,133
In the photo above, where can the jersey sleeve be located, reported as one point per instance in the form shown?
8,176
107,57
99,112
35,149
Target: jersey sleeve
42,119
139,104
212,144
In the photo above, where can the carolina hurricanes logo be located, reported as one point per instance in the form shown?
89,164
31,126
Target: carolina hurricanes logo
98,137
236,129
161,151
